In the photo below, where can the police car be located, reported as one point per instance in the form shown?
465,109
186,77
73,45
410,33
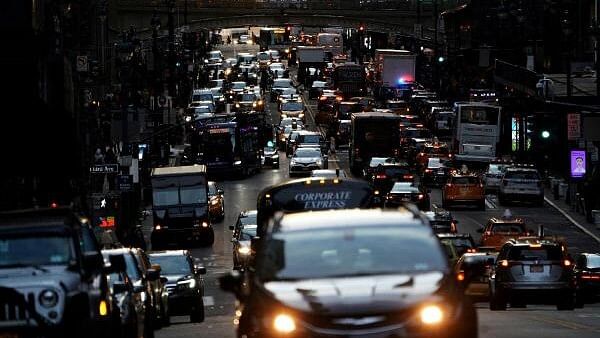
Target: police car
521,183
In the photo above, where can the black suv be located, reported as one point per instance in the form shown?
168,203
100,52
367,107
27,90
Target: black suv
408,290
534,271
53,280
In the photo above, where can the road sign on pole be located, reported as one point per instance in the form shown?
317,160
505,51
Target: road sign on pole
82,63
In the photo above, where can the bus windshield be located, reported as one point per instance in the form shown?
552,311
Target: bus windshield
479,115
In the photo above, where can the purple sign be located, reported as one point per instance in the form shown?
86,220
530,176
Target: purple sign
577,163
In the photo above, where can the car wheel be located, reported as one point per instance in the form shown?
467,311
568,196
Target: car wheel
197,315
566,302
481,205
497,302
210,238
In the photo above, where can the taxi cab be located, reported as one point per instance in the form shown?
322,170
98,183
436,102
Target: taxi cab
434,149
463,188
248,101
292,108
500,230
216,208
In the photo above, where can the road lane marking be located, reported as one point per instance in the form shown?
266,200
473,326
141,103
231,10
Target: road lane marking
208,301
564,323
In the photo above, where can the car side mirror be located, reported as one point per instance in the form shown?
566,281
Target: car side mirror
200,270
152,275
231,282
117,263
120,287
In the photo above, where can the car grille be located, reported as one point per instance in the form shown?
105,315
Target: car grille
306,167
13,310
339,325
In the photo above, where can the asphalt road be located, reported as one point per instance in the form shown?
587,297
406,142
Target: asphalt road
533,321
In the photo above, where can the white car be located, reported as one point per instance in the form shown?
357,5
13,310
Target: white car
521,184
307,159
493,175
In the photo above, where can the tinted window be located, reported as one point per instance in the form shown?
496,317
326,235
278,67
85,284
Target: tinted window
192,195
292,106
310,139
247,233
173,265
518,253
327,253
131,266
396,171
249,219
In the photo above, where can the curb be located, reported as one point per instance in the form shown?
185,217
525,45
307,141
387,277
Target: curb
572,220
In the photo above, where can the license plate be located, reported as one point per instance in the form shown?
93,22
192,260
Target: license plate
464,191
405,199
305,169
536,268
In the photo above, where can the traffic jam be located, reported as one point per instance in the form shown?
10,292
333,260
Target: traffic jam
376,209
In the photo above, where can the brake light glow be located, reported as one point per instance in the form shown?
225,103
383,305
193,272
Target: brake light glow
53,205
504,263
323,98
408,176
421,196
428,170
381,177
460,276
590,276
567,262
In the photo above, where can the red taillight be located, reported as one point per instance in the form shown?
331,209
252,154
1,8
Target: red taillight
381,177
428,170
53,205
503,263
421,196
460,276
590,276
567,263
471,250
449,185
408,177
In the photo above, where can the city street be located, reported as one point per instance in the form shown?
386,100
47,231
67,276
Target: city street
533,321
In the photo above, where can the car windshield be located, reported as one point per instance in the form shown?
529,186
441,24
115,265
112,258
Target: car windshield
246,97
289,106
326,253
248,233
172,265
461,245
434,163
527,253
508,228
396,172
308,152
310,139
496,168
175,196
36,249
238,85
283,83
522,175
593,262
404,188
250,219
202,97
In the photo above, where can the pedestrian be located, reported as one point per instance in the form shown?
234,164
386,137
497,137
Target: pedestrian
98,157
331,145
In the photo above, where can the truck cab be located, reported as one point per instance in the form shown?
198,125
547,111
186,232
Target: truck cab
180,206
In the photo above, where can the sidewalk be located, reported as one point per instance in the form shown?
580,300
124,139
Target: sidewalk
577,218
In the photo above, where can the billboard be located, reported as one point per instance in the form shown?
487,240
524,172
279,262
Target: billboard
578,163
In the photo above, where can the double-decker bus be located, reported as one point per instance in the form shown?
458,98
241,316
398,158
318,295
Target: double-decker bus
477,131
333,43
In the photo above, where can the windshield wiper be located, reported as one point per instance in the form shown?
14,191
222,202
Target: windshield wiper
24,265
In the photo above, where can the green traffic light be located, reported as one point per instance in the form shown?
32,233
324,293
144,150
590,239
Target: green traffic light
545,134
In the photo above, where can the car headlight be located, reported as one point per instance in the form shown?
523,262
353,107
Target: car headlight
190,283
284,324
260,102
254,104
283,116
431,315
244,250
319,162
237,105
301,115
188,118
237,163
48,298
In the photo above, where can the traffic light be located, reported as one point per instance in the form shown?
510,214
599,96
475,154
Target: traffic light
545,134
361,28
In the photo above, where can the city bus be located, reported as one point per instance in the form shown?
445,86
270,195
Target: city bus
228,147
477,131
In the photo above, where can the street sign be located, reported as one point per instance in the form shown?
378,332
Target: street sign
573,126
82,63
104,168
125,182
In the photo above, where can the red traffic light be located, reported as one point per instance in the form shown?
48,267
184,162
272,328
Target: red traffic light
361,28
288,28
